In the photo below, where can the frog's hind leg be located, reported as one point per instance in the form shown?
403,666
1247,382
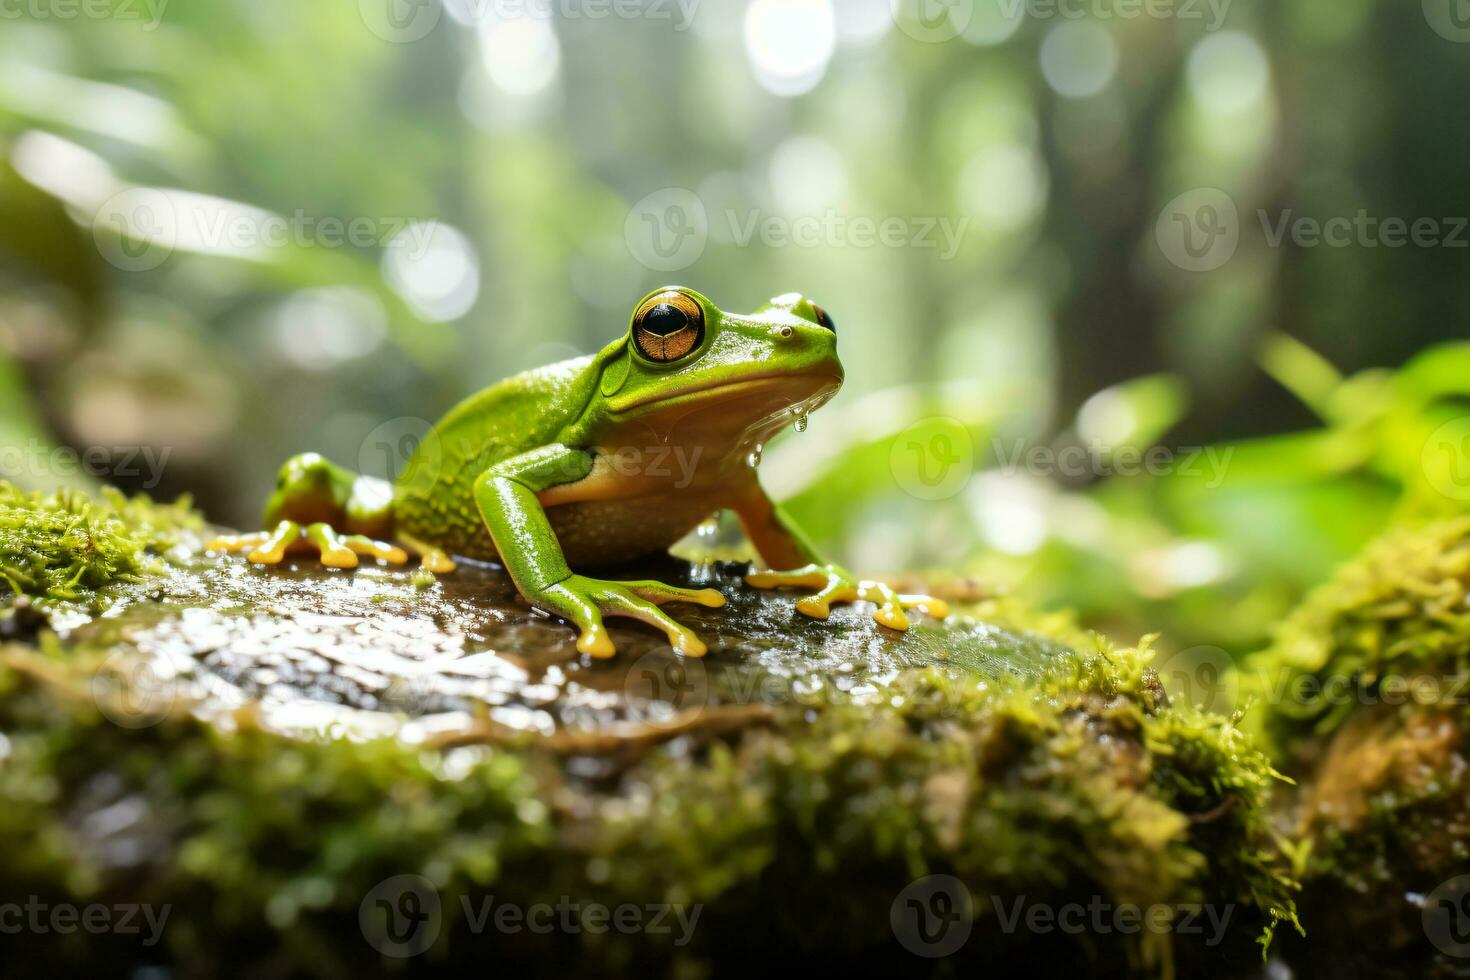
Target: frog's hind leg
321,507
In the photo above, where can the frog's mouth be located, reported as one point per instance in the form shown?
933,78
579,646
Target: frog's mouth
800,388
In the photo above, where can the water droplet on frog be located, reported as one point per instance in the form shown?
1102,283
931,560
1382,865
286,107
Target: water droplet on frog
754,459
708,531
801,422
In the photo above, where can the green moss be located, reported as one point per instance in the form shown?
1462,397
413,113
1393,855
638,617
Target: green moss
1063,775
68,548
1078,783
1391,629
1365,698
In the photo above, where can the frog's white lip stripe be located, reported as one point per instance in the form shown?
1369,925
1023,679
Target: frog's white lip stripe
758,381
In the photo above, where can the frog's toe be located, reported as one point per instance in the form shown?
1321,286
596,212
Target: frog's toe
261,547
336,549
330,545
681,638
891,604
806,577
272,551
890,608
369,548
831,583
658,593
835,585
595,642
436,561
570,601
819,606
232,544
937,608
342,550
585,601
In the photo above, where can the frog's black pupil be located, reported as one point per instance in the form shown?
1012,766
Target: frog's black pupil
825,319
665,319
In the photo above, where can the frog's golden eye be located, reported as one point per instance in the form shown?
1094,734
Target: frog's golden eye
668,326
824,318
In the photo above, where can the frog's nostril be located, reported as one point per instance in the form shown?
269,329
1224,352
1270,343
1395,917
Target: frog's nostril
786,332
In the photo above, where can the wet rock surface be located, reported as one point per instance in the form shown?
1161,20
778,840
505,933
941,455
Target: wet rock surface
369,651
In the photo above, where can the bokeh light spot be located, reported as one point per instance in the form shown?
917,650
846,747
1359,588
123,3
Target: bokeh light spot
434,268
1079,59
1004,185
1228,73
807,175
994,22
521,54
319,329
790,43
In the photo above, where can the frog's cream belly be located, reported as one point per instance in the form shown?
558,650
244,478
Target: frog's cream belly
591,532
600,532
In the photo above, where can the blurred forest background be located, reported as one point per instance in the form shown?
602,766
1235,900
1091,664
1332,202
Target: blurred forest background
1050,232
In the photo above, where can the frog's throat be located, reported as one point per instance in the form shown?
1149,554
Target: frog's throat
760,431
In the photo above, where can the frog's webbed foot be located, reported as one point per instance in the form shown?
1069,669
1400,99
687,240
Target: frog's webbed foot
585,601
436,561
834,584
336,550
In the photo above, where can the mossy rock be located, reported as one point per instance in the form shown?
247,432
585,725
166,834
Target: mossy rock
1364,698
296,760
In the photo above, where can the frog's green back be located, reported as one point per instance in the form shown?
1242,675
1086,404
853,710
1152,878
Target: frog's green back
433,498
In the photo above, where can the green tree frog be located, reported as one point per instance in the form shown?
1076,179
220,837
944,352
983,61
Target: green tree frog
598,460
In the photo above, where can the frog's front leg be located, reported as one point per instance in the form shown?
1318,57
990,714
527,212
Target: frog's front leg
320,507
506,495
782,546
